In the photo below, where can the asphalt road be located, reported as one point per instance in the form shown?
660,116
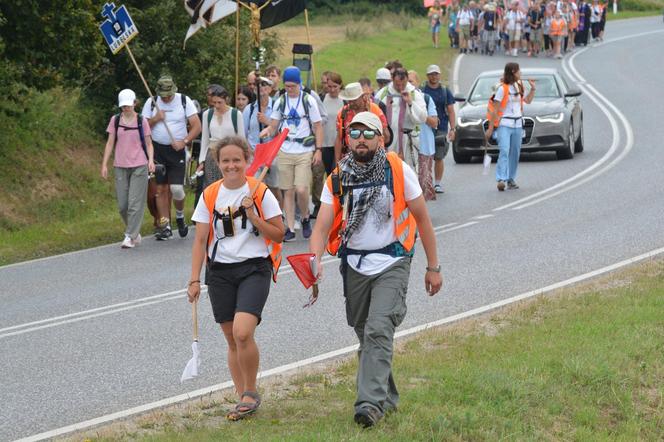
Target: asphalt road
103,330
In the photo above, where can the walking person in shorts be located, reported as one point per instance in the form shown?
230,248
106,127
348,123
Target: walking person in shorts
176,111
238,237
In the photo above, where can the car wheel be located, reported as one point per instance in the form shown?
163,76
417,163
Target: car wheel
567,153
460,158
578,145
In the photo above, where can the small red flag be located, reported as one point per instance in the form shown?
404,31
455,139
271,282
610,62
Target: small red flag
303,265
265,153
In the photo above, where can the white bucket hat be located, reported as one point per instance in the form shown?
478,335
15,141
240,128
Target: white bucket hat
351,92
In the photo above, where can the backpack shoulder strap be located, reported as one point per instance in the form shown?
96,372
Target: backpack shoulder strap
234,119
141,134
210,113
116,124
183,98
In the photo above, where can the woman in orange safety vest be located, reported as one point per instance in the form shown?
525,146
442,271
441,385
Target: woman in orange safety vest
239,231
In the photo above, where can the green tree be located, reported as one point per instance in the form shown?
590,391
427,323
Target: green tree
51,41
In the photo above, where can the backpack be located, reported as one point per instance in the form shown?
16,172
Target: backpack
210,113
305,104
139,121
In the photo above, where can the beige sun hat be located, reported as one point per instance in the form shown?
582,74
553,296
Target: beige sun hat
351,92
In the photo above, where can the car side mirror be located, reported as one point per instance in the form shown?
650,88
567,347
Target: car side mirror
573,93
459,98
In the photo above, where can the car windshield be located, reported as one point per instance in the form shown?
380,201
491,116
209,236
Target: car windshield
546,88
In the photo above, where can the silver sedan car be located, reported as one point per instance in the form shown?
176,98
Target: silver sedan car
552,122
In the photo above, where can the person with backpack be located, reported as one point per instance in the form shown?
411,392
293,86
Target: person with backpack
371,208
446,130
535,23
505,114
357,99
405,110
174,122
239,231
427,143
256,118
220,121
297,110
489,24
129,140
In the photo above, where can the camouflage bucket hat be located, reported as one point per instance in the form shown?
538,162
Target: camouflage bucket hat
166,86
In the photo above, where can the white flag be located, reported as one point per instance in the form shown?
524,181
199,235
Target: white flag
206,12
191,369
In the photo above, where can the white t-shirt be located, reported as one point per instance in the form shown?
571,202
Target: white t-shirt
217,130
175,118
465,17
513,107
515,20
378,230
244,244
333,107
298,126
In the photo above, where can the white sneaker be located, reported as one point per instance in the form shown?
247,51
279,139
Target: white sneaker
127,243
297,225
137,241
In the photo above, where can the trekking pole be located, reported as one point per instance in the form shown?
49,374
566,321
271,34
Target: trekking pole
147,88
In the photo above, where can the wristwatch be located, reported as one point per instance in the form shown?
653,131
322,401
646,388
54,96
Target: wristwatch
434,269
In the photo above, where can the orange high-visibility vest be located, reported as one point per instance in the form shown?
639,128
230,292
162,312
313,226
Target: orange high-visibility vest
557,27
210,198
405,226
491,107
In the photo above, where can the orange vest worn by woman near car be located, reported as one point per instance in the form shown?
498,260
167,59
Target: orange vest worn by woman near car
210,198
495,115
405,226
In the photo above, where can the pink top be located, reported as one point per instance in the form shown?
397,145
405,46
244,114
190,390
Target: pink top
128,150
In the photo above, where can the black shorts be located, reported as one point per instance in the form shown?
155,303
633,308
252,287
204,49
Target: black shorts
238,287
173,160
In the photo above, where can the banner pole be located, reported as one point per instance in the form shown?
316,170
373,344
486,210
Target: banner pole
313,69
147,88
237,53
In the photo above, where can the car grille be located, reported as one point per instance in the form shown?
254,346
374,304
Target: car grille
528,125
548,140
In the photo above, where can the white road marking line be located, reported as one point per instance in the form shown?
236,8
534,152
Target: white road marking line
629,141
151,300
592,93
614,146
455,74
483,216
336,353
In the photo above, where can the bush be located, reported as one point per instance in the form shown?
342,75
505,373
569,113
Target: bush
638,5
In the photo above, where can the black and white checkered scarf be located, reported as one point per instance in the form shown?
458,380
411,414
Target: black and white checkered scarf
354,173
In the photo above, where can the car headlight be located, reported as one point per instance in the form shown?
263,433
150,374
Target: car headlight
551,118
465,122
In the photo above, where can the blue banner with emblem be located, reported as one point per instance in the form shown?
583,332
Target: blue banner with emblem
118,29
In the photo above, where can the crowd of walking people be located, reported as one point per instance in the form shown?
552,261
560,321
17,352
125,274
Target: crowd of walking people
360,158
532,27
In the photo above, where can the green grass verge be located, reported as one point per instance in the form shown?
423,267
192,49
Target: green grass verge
370,45
584,364
632,14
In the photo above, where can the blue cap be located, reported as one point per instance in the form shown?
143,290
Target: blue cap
292,75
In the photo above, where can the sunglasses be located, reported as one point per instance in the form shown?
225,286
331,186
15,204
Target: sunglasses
368,134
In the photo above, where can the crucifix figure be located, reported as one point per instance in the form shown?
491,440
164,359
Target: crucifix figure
255,24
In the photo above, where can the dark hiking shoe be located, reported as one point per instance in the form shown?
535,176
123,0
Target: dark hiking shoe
164,234
367,417
512,185
306,228
183,228
289,236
